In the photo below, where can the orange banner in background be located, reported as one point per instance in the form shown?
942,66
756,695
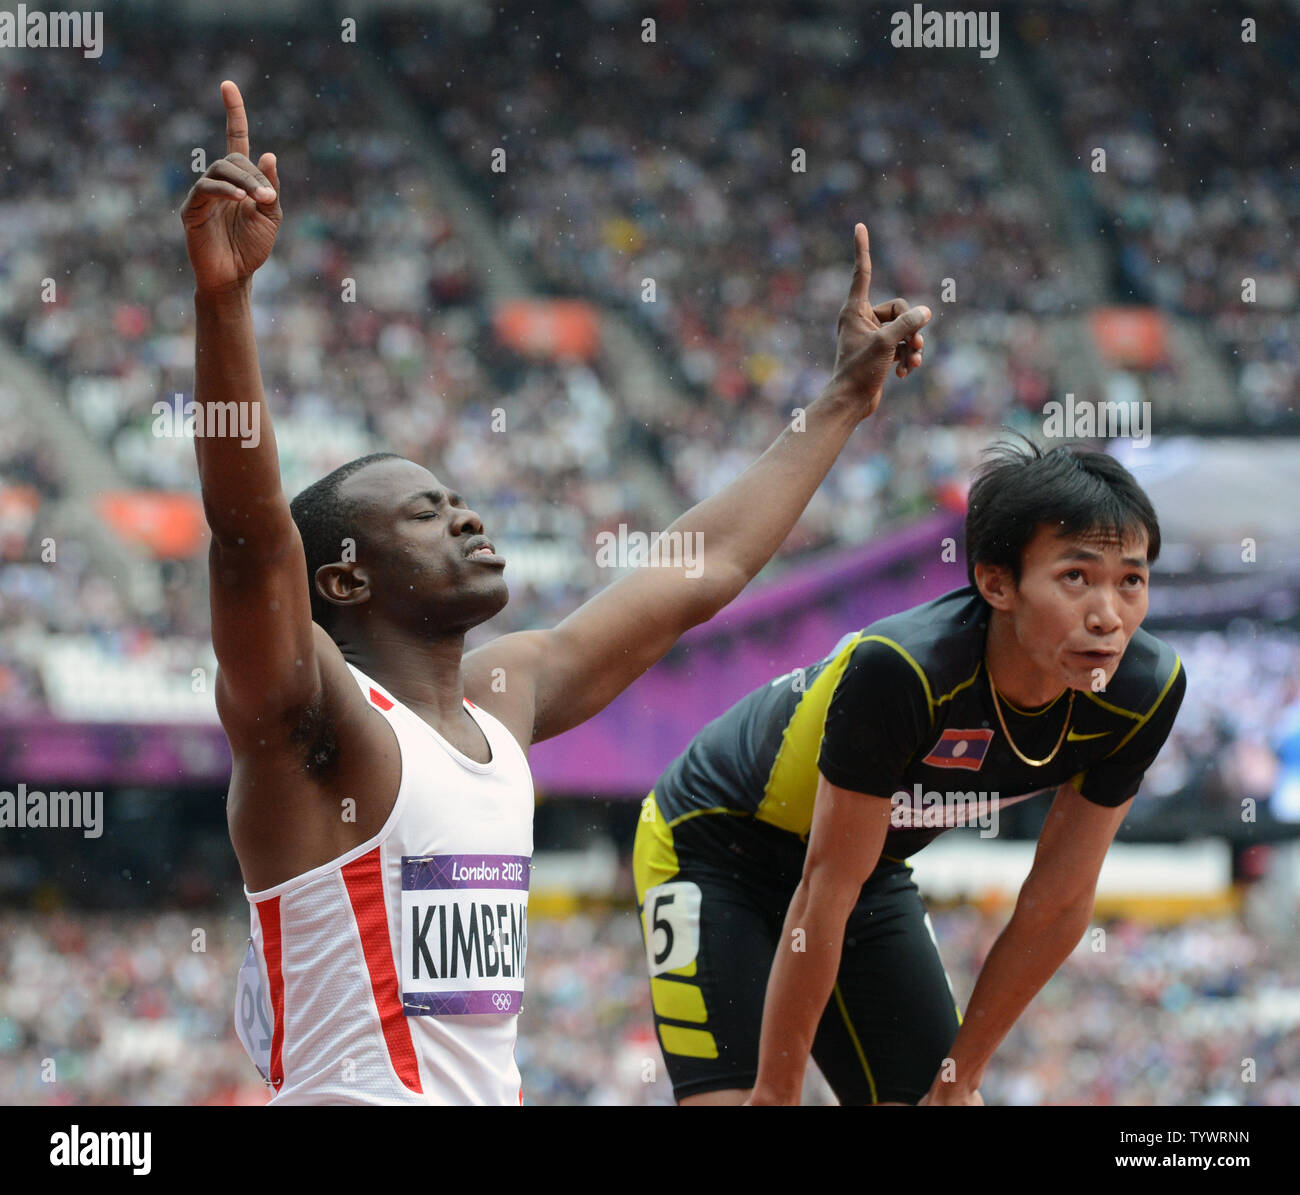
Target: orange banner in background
18,507
169,525
557,329
1136,337
18,502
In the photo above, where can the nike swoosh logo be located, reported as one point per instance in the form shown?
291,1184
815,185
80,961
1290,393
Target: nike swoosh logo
1072,737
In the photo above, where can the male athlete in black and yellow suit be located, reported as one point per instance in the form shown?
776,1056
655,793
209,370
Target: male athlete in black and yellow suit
771,855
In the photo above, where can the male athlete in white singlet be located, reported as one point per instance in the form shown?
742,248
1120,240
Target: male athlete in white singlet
380,801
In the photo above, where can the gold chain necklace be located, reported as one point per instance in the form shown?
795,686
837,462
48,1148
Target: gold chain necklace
1033,763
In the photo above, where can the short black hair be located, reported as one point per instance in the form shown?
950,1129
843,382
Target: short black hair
1079,491
324,520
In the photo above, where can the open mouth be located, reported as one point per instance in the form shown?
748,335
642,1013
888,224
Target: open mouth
485,551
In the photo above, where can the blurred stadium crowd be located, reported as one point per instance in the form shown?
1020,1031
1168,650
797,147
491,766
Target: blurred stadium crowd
129,1013
679,170
1200,187
1237,734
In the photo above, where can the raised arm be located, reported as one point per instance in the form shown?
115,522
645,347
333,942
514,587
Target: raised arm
261,612
580,666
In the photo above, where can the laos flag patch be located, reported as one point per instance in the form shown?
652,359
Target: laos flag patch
960,749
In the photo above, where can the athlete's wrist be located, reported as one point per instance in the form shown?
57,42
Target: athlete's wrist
769,1095
847,400
953,1095
230,295
957,1081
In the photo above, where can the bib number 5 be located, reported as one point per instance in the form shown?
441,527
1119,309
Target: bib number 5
671,925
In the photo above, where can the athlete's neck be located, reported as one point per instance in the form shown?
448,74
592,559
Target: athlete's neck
424,675
1013,673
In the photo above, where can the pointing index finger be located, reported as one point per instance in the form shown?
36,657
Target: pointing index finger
861,283
236,121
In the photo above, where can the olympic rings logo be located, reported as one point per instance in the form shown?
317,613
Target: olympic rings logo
501,1000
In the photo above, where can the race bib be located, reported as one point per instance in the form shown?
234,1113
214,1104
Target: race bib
464,933
672,925
253,1013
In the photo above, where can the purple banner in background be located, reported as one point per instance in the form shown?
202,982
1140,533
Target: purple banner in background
790,623
48,753
768,630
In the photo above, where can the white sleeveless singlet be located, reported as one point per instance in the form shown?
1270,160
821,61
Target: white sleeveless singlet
395,973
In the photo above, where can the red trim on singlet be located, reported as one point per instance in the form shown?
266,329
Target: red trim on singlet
469,703
268,916
380,700
365,883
